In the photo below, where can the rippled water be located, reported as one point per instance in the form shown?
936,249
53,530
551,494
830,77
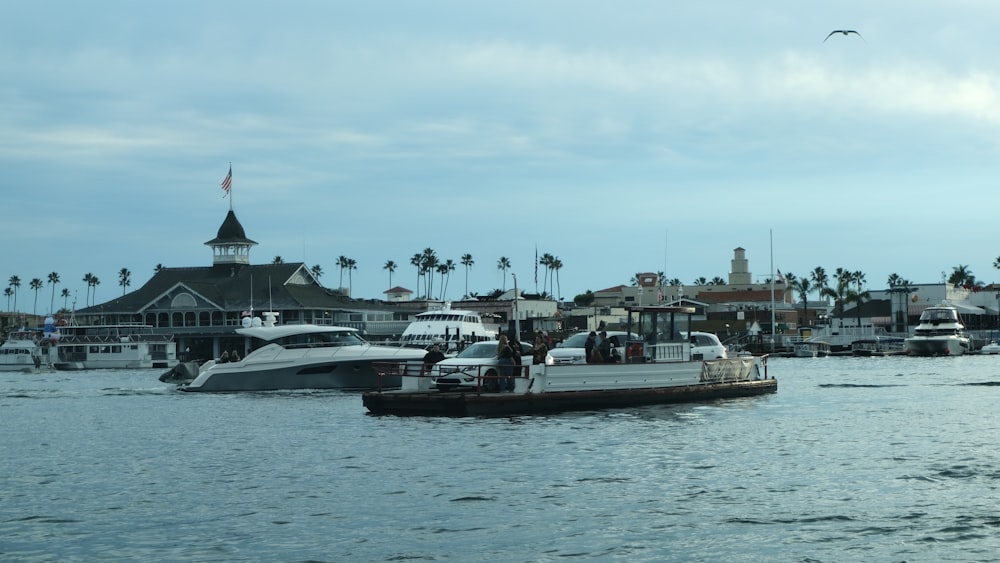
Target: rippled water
873,459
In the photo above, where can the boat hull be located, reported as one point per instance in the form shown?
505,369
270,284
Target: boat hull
549,389
937,346
325,375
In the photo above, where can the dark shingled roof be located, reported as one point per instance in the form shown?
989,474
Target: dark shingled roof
231,231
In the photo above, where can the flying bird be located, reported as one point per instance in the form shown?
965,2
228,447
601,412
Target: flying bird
844,32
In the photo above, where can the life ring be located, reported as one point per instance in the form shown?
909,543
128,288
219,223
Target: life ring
633,351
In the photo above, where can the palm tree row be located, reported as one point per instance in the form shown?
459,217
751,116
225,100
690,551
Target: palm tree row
53,279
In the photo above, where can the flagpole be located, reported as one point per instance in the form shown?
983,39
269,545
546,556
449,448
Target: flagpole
230,193
774,330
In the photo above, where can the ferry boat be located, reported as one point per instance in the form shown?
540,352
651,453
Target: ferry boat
301,356
119,346
657,371
940,332
452,329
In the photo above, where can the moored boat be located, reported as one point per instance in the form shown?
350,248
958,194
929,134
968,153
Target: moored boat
119,346
879,346
23,350
939,333
453,329
811,349
664,372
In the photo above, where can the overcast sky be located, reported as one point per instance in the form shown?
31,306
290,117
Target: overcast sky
620,137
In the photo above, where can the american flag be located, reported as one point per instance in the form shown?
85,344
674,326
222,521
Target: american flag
228,182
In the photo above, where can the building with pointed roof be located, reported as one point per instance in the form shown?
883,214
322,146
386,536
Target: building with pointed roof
201,306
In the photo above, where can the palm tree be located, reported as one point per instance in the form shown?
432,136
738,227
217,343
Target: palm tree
316,271
556,265
278,260
447,268
88,278
342,264
8,292
858,296
428,264
351,266
803,287
65,295
415,262
961,276
36,284
503,264
124,279
701,281
15,282
157,269
717,281
996,263
94,281
467,261
546,260
820,280
391,267
53,280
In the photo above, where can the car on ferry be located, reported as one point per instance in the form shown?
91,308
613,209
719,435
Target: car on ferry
476,365
572,350
704,346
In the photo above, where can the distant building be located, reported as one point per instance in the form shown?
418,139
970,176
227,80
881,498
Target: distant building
201,306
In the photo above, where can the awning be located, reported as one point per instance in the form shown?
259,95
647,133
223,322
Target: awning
968,309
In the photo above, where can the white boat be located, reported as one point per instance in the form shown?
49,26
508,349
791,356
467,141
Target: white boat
811,349
991,348
453,329
120,346
23,350
666,374
879,346
939,333
302,356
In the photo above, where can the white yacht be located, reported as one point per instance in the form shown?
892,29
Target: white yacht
120,346
302,357
23,350
453,329
940,333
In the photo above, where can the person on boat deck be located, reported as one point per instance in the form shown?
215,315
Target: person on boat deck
505,355
588,347
224,358
433,356
605,348
539,350
234,357
614,357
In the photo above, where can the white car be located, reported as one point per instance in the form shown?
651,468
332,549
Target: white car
572,351
476,365
704,346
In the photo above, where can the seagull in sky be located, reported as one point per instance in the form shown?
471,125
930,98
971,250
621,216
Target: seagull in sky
844,32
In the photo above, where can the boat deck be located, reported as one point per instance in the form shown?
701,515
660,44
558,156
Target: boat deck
458,404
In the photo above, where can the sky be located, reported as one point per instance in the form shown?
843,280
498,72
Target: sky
619,137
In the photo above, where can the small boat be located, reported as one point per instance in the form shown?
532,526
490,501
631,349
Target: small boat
118,346
991,348
940,332
302,356
664,372
879,346
23,351
453,329
811,349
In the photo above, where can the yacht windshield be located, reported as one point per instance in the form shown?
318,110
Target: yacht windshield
321,339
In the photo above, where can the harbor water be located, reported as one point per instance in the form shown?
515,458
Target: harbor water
853,459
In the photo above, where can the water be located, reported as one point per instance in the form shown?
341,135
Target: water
854,459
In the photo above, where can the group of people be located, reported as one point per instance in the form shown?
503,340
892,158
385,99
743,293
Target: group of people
227,357
604,351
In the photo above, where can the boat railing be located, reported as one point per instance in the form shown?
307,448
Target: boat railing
421,375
